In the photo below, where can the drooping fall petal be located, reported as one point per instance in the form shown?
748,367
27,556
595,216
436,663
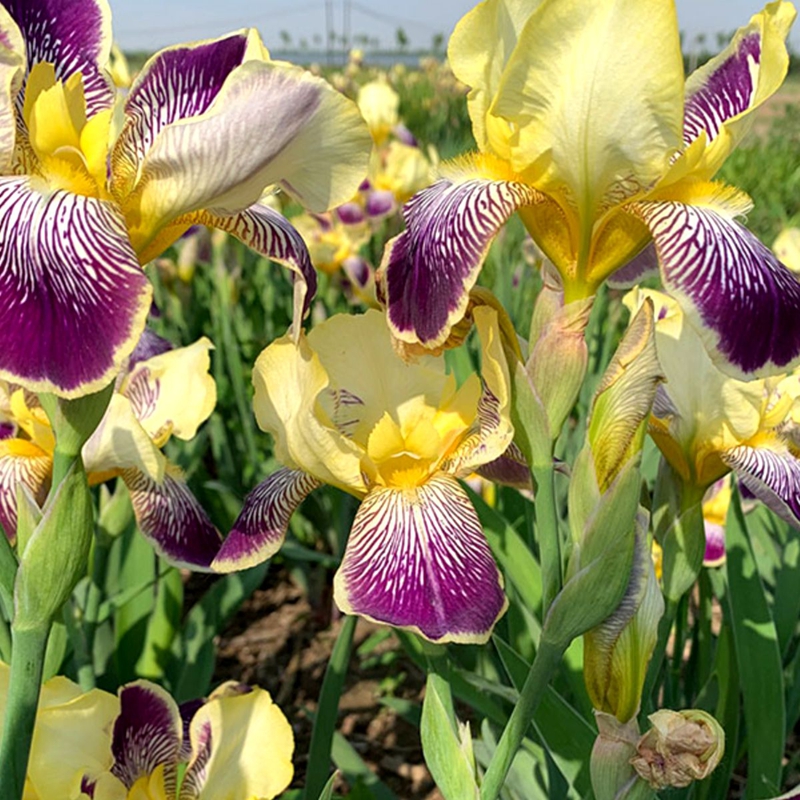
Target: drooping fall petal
261,526
73,298
418,559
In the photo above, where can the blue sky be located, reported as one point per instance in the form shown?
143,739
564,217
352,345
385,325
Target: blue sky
149,24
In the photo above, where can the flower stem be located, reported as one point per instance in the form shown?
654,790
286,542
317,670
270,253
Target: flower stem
27,661
544,666
547,534
319,753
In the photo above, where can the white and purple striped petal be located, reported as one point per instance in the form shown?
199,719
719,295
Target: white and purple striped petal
725,92
172,520
429,269
772,475
74,36
147,734
642,266
175,84
21,463
418,559
735,292
269,233
261,526
714,554
73,298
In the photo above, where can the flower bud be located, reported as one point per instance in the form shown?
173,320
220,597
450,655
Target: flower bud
681,747
613,777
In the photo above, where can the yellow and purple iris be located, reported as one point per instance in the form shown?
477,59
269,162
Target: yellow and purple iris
87,194
586,127
236,744
147,408
347,411
708,424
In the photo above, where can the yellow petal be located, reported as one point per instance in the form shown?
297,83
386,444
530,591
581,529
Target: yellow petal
598,105
173,393
478,52
251,747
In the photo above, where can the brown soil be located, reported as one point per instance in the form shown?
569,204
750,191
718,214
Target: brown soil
280,643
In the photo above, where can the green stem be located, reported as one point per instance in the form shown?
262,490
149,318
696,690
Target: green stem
659,653
543,668
547,534
5,640
319,753
27,661
91,611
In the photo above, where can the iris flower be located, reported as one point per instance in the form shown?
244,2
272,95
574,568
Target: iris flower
345,410
92,188
236,745
147,408
708,424
585,126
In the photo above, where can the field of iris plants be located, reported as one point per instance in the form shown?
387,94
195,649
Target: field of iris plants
419,434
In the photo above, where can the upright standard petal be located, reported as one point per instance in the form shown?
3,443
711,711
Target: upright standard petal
147,732
599,106
261,526
418,559
772,474
270,123
429,269
478,52
73,298
720,94
74,36
242,746
734,291
172,520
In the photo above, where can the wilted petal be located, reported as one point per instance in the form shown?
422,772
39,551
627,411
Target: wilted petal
147,732
418,559
270,123
73,298
429,269
172,520
261,526
268,232
772,475
21,462
723,91
74,37
734,291
242,746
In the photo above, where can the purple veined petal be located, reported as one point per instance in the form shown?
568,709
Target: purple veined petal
172,520
21,462
714,554
510,469
725,92
642,266
73,298
269,233
187,711
744,303
200,754
429,269
773,476
147,734
74,36
261,526
418,559
176,83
